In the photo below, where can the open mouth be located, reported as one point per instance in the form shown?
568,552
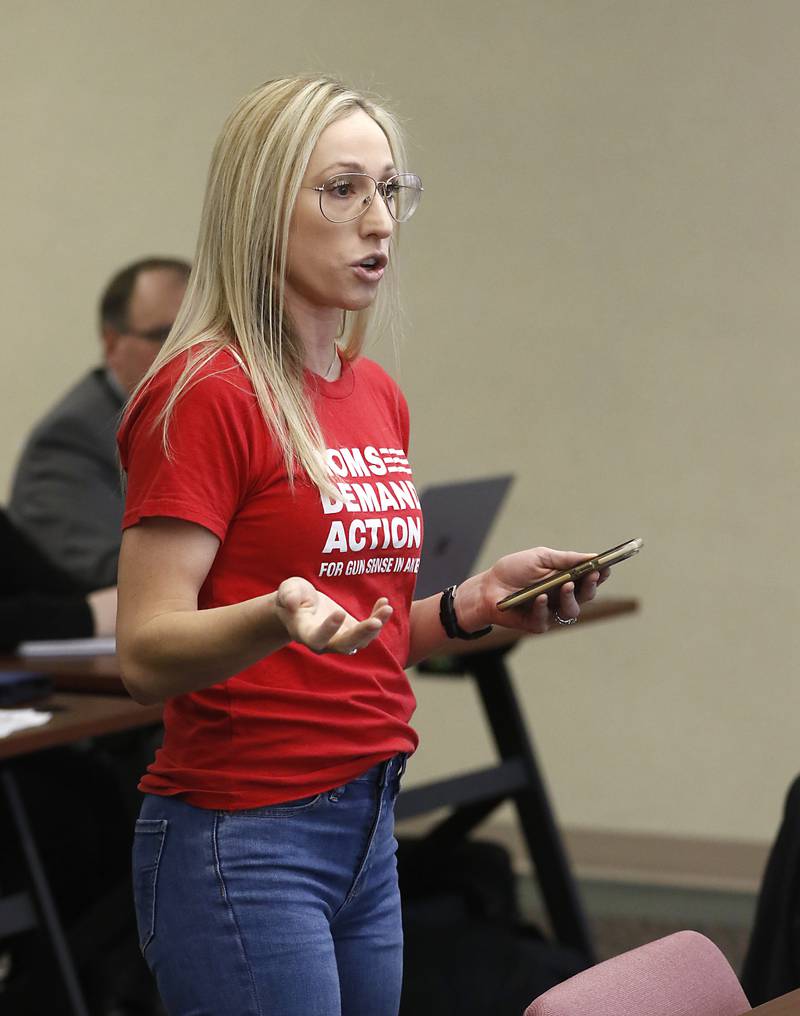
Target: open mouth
373,262
371,269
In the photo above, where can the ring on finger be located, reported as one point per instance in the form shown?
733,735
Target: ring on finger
564,620
351,652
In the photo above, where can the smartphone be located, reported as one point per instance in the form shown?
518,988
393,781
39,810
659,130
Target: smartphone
604,560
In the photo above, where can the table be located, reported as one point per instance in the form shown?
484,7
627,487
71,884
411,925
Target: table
72,673
77,715
517,776
786,1005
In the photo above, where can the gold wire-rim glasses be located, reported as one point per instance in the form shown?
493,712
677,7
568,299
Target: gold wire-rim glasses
380,187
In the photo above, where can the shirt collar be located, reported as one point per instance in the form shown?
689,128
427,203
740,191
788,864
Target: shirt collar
116,387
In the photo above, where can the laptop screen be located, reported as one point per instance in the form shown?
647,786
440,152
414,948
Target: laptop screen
458,517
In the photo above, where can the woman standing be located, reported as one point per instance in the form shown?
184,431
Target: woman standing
272,536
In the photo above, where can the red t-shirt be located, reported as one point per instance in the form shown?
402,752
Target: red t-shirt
295,723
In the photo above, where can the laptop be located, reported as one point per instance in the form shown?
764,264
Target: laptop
458,517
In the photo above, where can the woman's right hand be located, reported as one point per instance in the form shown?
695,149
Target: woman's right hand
321,624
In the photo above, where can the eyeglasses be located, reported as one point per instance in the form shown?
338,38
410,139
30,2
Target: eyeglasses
158,335
349,195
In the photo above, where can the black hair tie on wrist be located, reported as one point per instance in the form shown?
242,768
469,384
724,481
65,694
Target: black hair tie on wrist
447,615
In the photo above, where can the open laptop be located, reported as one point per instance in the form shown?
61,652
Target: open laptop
458,517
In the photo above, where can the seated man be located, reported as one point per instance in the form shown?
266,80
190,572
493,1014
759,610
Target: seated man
66,495
59,551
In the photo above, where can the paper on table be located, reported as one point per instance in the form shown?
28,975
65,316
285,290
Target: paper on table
12,720
68,647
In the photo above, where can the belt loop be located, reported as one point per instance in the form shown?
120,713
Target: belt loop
385,767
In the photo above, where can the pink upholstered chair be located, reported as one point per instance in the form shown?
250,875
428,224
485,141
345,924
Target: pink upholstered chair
681,975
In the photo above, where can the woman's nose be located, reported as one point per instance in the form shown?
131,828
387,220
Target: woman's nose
376,219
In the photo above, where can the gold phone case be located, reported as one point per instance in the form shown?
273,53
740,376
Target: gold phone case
604,560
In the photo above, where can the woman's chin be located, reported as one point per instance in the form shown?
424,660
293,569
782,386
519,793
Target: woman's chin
358,302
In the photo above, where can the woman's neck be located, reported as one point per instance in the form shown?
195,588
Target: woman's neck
318,329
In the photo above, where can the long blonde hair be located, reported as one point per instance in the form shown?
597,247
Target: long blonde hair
236,292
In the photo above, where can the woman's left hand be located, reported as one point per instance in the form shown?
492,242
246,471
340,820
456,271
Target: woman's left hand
476,600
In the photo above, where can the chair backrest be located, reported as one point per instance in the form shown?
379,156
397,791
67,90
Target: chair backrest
681,975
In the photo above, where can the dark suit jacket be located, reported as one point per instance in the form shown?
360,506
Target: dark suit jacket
66,495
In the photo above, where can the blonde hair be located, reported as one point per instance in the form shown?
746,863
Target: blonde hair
236,292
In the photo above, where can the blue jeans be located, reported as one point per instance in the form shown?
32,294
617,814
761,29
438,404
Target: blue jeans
288,910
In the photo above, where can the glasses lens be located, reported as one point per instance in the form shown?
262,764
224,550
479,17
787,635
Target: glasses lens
345,197
402,195
158,335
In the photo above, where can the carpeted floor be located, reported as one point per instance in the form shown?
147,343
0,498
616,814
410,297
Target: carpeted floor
623,916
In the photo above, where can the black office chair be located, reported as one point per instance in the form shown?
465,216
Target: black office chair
772,964
37,599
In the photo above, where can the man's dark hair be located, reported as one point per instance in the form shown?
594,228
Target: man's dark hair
116,298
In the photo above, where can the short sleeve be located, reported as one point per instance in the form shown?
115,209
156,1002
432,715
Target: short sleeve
216,437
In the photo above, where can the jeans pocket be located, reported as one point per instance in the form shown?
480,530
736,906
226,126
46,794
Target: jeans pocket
148,845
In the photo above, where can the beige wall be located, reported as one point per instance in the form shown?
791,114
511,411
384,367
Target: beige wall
602,297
